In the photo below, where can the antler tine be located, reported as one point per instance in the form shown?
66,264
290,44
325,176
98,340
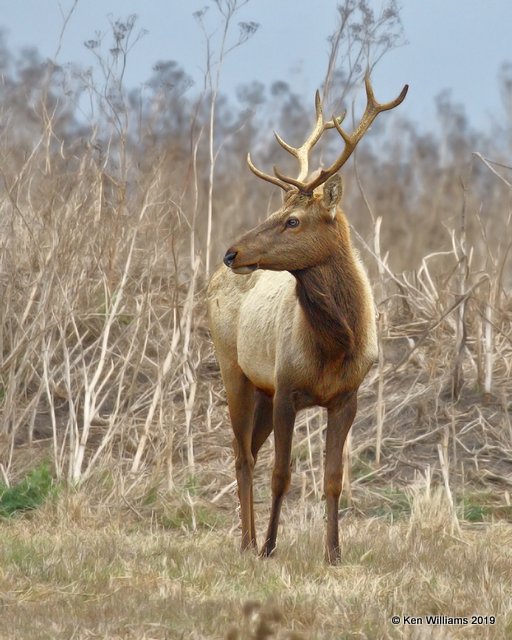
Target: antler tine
266,176
373,108
292,182
285,145
302,152
386,106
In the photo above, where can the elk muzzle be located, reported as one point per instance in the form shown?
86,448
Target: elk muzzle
229,258
229,261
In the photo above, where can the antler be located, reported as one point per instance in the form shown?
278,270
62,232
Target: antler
373,108
301,153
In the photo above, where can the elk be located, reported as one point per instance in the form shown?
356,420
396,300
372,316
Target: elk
292,319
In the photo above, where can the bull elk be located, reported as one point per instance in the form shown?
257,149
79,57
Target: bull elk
298,328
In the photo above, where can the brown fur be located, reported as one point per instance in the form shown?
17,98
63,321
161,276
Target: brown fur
285,342
297,340
329,295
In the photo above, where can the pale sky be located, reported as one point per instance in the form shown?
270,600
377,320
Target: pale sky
453,44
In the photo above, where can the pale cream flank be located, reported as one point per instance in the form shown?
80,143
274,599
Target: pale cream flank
256,321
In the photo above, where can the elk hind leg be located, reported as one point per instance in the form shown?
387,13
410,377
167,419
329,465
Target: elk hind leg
284,420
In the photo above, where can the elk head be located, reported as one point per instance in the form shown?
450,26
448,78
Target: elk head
300,234
294,237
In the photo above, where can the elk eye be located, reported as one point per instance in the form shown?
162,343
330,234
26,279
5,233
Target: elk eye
292,222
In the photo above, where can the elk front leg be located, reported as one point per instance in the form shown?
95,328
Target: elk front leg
240,395
284,420
339,421
261,430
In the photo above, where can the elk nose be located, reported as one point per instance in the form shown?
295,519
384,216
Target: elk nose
229,257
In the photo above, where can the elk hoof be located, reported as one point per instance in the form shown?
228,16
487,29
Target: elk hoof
267,551
333,556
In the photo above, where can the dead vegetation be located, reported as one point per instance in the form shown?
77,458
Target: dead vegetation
69,571
107,373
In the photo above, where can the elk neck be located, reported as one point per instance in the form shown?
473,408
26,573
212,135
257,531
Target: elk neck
332,297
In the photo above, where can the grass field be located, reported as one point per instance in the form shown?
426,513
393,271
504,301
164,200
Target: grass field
133,529
72,570
118,501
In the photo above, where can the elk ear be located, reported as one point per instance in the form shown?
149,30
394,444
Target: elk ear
333,190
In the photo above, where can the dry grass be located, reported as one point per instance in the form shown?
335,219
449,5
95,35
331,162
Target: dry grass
107,371
107,374
73,571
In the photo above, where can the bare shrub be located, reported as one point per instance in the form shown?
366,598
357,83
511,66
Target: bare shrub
106,365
